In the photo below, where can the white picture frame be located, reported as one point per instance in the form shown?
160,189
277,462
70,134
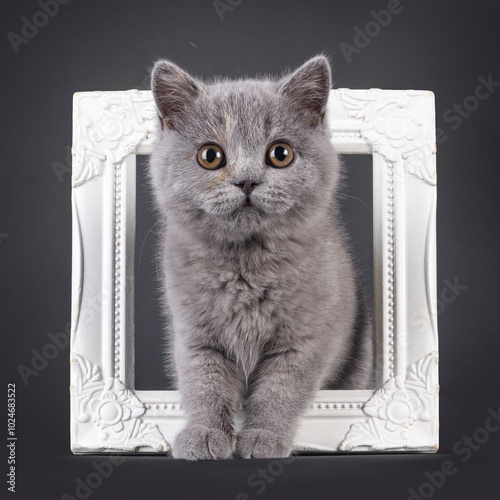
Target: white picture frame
397,127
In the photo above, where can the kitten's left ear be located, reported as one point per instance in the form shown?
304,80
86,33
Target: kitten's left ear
174,91
309,87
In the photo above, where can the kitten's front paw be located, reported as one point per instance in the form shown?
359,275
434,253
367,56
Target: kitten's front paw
197,442
261,443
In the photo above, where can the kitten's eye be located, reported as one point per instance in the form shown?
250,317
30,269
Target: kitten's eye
211,156
279,155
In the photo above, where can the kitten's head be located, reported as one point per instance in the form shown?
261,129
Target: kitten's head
237,159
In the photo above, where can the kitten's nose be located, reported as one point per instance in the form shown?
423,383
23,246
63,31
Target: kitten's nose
247,186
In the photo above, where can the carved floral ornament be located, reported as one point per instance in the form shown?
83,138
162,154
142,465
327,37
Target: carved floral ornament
396,408
111,127
394,126
113,408
120,124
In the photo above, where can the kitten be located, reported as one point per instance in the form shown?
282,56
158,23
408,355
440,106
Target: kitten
260,286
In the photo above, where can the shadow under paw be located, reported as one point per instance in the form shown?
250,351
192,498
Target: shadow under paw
198,442
261,443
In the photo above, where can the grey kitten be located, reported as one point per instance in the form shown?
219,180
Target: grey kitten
260,285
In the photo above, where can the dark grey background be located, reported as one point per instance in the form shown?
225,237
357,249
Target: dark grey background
109,45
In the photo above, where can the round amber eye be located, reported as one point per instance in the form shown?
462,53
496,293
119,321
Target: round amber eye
211,156
279,155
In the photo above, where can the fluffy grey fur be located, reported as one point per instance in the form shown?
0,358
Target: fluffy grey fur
264,300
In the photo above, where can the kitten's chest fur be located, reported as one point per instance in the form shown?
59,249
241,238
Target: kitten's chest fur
249,318
246,298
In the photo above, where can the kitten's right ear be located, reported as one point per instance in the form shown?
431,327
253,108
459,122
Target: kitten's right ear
174,91
308,87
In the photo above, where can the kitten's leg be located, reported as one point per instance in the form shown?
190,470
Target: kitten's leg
210,386
280,393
